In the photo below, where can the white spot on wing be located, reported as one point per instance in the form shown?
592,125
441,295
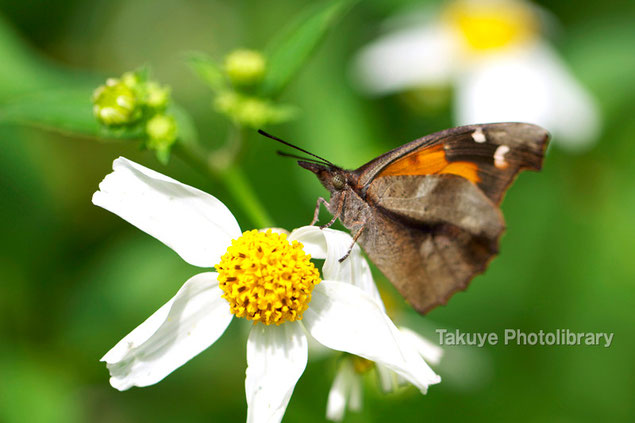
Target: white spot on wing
478,135
499,156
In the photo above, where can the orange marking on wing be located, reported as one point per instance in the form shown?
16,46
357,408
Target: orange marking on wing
468,170
430,161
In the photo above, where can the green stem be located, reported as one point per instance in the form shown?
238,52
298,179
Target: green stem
236,182
231,176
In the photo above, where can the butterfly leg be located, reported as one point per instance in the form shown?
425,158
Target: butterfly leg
338,212
328,225
355,238
320,201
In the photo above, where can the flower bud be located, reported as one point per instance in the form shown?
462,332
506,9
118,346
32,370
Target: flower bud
162,131
115,104
253,112
132,80
245,67
227,102
157,97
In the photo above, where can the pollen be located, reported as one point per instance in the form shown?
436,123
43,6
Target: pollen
266,278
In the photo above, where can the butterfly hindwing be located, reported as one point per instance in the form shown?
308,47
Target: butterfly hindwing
437,233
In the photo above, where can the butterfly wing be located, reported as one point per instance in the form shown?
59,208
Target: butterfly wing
489,155
430,235
436,223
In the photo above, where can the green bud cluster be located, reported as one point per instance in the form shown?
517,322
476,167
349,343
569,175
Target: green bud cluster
241,100
251,111
138,105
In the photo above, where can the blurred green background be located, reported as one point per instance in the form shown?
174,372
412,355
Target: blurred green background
75,279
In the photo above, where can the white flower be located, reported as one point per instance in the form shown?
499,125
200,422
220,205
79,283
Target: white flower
204,233
346,391
503,71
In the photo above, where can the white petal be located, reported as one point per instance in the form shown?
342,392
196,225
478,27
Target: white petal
333,245
276,358
317,351
186,325
345,318
191,222
430,352
387,378
357,394
528,84
312,239
340,390
413,57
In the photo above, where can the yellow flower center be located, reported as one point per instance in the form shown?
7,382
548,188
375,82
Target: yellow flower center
362,365
267,279
493,24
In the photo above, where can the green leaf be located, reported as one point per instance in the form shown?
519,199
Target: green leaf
293,46
69,112
65,111
187,133
206,69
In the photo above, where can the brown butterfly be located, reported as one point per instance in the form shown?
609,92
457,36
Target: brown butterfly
426,213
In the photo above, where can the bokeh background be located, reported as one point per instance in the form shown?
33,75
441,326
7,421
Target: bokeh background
75,278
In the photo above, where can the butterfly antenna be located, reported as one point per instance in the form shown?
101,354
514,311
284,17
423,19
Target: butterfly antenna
297,156
261,132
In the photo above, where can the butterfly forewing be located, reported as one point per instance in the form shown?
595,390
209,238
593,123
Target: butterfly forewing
490,155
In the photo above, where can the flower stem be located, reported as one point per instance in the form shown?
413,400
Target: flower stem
236,182
231,176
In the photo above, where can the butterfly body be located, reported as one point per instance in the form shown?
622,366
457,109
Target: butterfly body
426,213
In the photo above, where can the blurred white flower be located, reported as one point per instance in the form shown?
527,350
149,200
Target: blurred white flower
262,276
491,50
346,390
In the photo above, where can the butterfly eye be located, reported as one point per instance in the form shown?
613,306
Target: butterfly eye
338,182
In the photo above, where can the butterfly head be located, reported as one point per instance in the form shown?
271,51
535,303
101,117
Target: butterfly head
332,177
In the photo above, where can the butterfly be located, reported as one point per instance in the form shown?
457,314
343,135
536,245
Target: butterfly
427,213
